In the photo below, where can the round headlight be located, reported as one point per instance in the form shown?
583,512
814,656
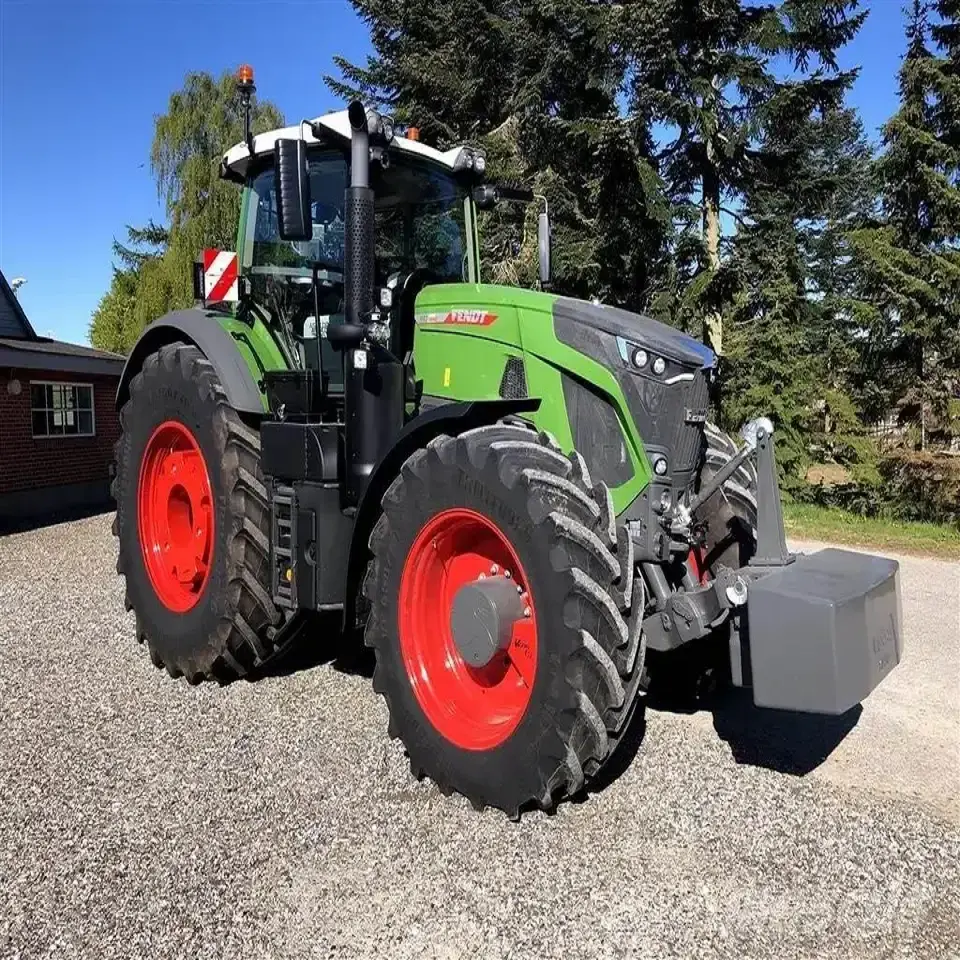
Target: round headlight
640,358
480,164
659,365
660,466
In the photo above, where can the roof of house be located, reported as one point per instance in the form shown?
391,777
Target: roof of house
20,347
13,321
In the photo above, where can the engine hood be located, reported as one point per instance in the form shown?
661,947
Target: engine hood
634,328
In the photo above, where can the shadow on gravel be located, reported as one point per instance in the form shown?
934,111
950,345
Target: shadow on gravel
25,524
321,643
793,743
697,679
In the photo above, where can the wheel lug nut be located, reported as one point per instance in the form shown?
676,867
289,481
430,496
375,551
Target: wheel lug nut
526,611
507,574
483,576
494,569
519,589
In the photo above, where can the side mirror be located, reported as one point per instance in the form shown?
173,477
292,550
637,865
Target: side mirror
292,186
543,238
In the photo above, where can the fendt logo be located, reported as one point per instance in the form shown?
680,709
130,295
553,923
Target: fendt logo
471,318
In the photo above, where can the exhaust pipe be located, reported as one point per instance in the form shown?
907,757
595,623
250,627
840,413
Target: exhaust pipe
359,217
373,390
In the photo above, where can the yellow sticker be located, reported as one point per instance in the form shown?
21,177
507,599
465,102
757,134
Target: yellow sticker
446,376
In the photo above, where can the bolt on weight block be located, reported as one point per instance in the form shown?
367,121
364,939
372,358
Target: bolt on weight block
824,631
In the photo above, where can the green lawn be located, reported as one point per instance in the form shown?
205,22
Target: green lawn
837,526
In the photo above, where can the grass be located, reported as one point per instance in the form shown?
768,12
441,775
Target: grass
807,522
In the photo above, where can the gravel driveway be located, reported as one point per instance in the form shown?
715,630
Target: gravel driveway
142,817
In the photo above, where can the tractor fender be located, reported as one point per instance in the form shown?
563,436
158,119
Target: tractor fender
448,418
201,328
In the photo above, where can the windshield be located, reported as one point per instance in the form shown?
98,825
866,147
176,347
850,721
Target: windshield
419,221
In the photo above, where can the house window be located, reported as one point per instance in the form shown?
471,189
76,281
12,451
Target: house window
62,409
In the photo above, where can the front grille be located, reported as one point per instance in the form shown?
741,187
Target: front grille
687,442
596,433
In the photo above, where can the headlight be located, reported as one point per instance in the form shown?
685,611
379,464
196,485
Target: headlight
470,161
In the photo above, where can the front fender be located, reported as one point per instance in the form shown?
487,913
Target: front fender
203,329
449,418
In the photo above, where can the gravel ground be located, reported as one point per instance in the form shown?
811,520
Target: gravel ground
141,817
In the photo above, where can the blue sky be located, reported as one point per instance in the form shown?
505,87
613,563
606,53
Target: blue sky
81,81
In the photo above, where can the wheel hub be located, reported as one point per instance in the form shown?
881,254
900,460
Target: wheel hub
482,618
175,516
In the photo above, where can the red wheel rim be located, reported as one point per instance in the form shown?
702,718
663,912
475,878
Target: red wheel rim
476,708
175,516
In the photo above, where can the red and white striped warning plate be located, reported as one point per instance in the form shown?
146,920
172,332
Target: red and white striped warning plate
220,276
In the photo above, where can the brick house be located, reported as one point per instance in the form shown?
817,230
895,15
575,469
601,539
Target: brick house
57,420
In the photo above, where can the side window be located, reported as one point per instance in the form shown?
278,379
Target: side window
61,409
328,177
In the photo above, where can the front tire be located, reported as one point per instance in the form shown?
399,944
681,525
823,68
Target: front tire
193,522
731,513
535,723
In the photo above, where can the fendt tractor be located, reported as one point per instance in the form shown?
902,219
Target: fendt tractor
517,496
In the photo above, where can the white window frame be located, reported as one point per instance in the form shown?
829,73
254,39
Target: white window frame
46,409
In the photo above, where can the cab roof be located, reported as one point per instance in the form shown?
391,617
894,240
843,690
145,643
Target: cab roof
237,159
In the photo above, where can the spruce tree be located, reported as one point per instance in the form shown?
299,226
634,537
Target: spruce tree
706,71
793,321
535,82
911,264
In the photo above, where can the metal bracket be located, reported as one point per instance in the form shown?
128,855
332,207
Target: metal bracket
771,537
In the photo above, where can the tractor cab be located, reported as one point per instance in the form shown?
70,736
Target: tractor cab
424,231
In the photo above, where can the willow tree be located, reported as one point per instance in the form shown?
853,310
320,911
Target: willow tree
203,118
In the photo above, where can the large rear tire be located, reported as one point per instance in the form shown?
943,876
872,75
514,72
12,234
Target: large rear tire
532,725
193,522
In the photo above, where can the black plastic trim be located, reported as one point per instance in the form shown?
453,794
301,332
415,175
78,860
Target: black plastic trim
451,418
201,328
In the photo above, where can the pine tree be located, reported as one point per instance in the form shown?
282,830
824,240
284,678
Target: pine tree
536,83
911,272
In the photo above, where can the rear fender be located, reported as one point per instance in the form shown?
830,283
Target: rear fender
203,329
448,418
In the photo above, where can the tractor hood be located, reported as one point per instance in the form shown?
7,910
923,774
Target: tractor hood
634,329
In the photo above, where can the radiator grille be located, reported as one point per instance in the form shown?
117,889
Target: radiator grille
689,434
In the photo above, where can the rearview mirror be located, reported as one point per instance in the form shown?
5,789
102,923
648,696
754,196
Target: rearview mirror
543,238
292,187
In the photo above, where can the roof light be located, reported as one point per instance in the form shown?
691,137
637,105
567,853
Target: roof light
245,75
413,133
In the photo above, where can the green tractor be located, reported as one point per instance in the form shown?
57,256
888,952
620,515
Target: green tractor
518,496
